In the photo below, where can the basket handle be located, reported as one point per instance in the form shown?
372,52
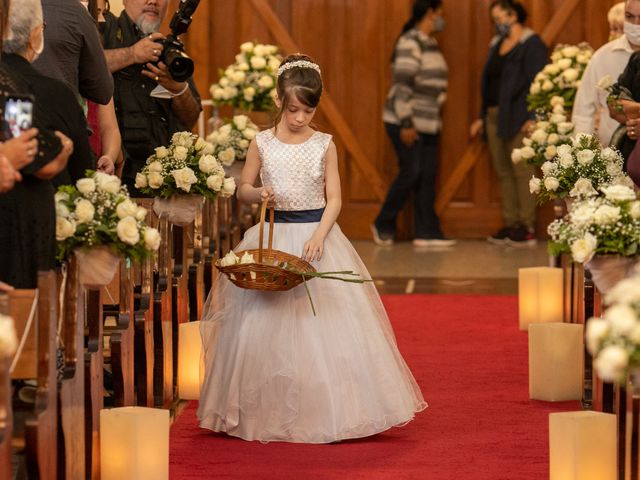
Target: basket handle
263,214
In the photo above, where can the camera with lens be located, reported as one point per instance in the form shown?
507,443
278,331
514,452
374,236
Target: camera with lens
178,63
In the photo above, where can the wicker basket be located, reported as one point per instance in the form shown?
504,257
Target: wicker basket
275,271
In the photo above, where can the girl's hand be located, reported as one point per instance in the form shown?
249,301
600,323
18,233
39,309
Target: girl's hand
313,248
105,165
266,193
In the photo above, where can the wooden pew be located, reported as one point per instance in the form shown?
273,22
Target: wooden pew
196,268
179,290
143,327
211,243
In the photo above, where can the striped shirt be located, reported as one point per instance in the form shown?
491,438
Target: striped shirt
419,84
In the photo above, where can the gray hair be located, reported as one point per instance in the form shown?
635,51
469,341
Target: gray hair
24,16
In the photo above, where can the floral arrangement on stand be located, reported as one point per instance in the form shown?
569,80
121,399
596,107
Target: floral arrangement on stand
97,219
551,130
249,83
579,169
561,77
231,141
614,340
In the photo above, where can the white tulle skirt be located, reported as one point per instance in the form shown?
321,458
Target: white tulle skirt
276,372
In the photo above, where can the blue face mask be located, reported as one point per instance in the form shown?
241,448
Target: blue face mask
503,29
438,24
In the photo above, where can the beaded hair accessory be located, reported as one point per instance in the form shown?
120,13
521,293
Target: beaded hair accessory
298,64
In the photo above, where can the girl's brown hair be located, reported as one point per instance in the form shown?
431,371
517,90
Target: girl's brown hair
303,82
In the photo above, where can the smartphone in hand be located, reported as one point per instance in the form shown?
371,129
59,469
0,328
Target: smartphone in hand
17,114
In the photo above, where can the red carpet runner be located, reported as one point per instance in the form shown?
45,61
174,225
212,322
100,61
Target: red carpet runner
471,362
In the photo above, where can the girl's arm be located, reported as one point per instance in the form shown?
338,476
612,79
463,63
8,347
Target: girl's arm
314,247
247,192
109,133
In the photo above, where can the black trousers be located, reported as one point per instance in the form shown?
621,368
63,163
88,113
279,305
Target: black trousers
418,170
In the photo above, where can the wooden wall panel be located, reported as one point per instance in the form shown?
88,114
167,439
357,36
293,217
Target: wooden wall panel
353,40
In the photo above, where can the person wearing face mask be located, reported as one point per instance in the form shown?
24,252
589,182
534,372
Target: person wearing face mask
413,123
516,55
150,105
610,59
55,104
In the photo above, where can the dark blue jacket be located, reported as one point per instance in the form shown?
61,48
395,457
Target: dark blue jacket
520,67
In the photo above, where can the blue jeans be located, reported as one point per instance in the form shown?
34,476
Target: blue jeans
418,170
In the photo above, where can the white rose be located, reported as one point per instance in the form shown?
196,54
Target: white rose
516,155
126,209
555,56
260,50
559,110
609,154
85,211
618,193
208,149
249,93
61,197
625,291
64,229
180,153
553,139
547,168
605,82
152,239
243,143
200,144
246,47
258,63
583,249
585,157
557,118
622,319
229,186
563,64
241,121
566,161
597,330
535,89
539,136
611,363
229,259
606,215
274,64
86,185
570,75
265,82
565,128
141,180
161,152
230,92
534,185
583,58
635,210
551,69
107,183
570,51
238,76
582,215
551,184
155,166
184,177
249,133
527,142
155,180
583,188
547,86
214,182
550,152
557,101
62,210
244,66
227,156
564,149
127,230
141,213
218,93
207,163
182,139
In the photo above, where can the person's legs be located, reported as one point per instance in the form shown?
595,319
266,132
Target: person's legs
405,182
427,224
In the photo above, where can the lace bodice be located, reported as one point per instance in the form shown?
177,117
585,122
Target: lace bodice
294,171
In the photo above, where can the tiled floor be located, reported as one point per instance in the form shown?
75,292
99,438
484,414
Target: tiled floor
472,266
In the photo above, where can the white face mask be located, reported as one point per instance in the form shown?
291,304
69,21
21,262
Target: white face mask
632,32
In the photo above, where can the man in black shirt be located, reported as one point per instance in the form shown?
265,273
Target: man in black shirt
150,105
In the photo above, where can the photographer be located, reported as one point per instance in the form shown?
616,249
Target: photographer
147,115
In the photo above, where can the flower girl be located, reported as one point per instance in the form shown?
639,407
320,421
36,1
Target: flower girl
273,370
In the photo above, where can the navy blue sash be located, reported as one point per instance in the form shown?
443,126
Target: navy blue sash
298,216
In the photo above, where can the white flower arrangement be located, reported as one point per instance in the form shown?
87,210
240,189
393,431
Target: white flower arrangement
551,131
561,77
614,339
579,170
8,337
249,83
186,166
97,211
231,141
607,224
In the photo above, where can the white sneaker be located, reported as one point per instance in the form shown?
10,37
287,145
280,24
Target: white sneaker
434,242
378,240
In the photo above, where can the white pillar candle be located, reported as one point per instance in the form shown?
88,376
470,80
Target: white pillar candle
540,295
190,368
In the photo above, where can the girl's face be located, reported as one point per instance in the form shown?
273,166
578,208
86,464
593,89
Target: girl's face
297,116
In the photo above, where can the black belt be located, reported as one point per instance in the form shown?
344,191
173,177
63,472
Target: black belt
298,216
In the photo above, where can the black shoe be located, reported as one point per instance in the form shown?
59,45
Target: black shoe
522,237
501,236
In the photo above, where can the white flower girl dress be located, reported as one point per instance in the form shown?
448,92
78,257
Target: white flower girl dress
276,372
